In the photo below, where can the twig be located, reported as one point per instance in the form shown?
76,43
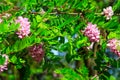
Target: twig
94,77
6,42
54,13
11,10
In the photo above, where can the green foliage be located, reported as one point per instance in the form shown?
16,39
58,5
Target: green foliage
68,74
58,25
84,72
2,60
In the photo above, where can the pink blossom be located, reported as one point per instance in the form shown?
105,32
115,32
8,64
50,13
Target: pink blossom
4,66
24,28
108,12
92,32
37,52
113,45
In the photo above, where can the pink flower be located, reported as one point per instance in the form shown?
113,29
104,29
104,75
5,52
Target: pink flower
37,52
113,45
92,32
4,66
108,12
24,28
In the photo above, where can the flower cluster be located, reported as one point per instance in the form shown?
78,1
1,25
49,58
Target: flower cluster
24,28
37,52
92,32
113,45
108,12
4,66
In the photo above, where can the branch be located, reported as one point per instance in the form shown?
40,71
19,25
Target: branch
54,13
9,11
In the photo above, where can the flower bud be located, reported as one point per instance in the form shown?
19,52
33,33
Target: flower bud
113,46
37,52
24,28
108,12
92,32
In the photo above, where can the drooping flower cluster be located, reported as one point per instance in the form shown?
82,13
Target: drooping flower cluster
92,32
24,28
108,12
4,66
113,44
37,52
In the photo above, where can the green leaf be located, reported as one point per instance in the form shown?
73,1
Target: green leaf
81,42
13,59
38,18
21,60
18,66
69,74
2,60
112,35
83,70
112,78
84,3
68,21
